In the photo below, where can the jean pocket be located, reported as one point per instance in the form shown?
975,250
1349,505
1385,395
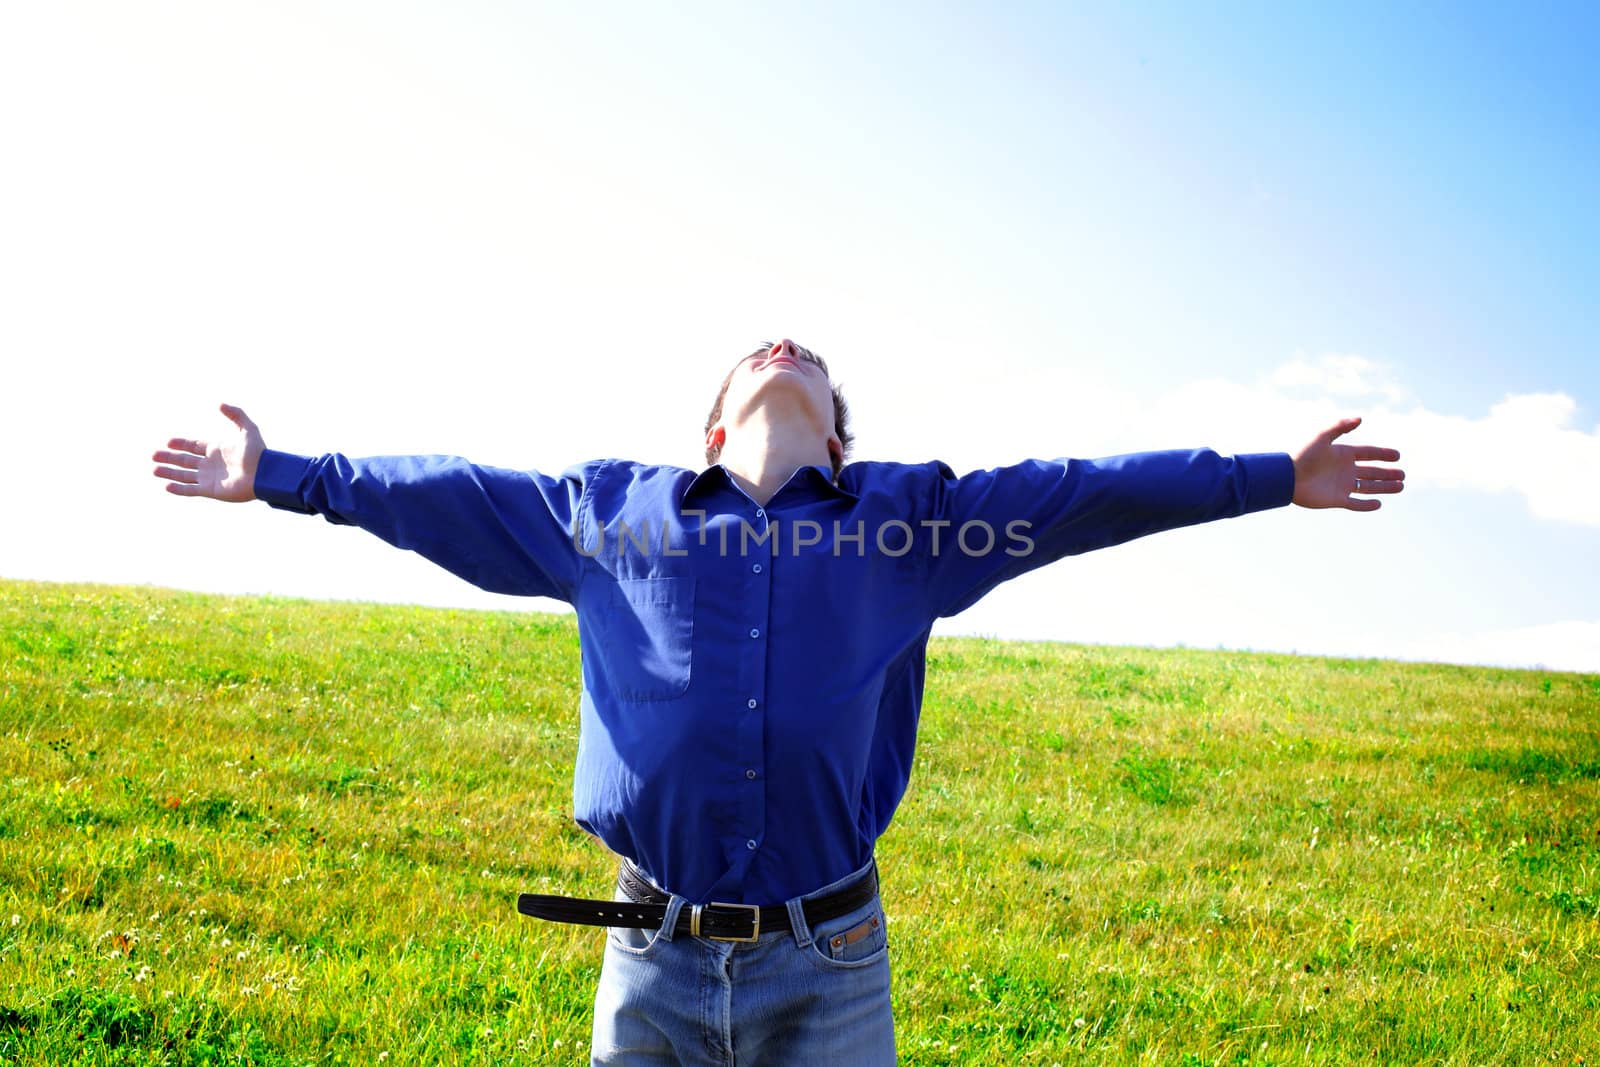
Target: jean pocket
858,939
634,941
631,941
643,635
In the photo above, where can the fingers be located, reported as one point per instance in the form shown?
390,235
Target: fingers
1339,429
181,489
1360,453
178,466
1329,475
1380,480
187,460
237,416
177,474
180,463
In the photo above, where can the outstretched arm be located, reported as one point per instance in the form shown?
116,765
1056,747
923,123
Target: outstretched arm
1326,475
505,531
224,470
1069,506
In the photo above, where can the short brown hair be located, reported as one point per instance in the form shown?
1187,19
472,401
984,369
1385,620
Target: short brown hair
841,410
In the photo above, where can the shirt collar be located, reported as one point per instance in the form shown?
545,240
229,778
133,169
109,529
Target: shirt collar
809,482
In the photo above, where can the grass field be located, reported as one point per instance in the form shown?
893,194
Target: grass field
253,831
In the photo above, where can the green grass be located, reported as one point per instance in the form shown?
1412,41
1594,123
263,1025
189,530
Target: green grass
254,831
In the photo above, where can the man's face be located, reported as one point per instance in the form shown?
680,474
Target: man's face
787,377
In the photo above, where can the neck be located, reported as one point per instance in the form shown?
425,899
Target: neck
764,453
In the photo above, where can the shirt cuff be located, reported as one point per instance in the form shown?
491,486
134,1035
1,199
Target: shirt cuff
279,476
1268,480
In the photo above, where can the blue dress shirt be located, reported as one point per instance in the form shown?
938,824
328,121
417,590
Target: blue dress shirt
752,676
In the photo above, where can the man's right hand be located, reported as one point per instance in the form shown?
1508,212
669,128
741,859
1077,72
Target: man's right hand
221,471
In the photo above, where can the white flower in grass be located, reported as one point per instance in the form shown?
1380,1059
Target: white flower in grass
16,920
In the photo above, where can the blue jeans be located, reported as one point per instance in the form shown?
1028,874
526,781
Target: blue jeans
810,996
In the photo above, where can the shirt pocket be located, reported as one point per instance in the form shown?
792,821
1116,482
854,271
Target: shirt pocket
644,635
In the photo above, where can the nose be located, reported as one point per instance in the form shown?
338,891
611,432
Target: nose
784,347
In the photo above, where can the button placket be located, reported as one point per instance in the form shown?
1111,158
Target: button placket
752,731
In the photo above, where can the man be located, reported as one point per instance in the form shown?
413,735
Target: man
753,647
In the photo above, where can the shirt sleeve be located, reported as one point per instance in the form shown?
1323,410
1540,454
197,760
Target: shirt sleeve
1041,510
504,531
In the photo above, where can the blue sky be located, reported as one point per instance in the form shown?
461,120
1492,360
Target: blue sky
532,235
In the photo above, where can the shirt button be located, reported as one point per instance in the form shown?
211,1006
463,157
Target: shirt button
752,703
750,845
756,567
750,774
754,632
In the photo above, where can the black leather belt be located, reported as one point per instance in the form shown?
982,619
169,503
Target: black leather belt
646,909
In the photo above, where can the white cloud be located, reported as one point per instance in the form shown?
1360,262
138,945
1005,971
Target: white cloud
1525,444
1342,376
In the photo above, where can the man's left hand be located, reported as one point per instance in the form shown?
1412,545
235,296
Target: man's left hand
1327,475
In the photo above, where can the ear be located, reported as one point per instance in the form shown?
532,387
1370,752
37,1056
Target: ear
716,438
835,450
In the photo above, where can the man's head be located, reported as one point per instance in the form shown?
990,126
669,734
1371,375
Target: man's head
786,374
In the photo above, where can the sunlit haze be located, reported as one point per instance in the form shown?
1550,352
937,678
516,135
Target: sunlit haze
538,234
